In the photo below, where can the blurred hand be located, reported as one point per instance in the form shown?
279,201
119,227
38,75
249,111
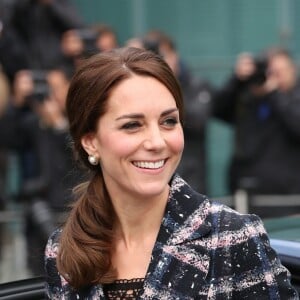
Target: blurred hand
271,84
22,87
51,114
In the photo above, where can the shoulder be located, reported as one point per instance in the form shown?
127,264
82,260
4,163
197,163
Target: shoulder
52,246
226,218
190,204
51,252
56,285
233,230
194,212
241,250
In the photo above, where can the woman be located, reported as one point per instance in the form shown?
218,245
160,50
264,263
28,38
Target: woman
137,231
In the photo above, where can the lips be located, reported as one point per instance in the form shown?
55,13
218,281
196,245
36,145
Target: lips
152,165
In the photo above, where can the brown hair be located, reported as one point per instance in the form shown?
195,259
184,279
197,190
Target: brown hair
87,236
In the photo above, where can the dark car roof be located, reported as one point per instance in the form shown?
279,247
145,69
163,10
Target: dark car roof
33,289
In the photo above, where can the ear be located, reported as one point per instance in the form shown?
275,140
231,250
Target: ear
90,144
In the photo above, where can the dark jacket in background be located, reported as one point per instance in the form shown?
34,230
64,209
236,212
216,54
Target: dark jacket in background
47,176
197,95
266,158
39,28
50,191
57,173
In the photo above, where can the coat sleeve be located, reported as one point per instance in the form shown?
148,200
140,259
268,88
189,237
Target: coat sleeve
225,99
55,284
243,264
256,266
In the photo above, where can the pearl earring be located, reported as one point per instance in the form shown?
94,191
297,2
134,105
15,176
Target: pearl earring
93,160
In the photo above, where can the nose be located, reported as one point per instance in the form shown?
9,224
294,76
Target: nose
154,139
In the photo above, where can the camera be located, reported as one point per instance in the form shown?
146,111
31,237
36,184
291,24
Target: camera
88,37
41,89
259,76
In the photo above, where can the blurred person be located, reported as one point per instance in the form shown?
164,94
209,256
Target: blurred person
77,44
49,192
106,37
197,94
262,101
15,128
39,25
134,42
167,48
136,229
37,129
15,120
72,48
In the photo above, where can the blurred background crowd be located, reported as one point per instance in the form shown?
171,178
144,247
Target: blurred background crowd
42,42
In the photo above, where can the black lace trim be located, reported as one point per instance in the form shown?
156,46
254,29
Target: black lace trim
124,288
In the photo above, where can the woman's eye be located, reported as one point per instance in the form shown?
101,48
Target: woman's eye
170,122
131,126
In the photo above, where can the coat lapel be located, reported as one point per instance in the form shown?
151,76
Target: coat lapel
179,256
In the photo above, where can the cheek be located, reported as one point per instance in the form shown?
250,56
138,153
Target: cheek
117,145
176,142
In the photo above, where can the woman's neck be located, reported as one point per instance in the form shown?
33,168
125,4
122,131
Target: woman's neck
139,219
137,227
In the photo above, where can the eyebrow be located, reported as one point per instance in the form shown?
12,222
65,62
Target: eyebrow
140,116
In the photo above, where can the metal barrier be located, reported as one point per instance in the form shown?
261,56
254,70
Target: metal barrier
13,250
13,246
243,201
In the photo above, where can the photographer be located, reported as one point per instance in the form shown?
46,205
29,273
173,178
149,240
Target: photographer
262,101
38,132
51,190
77,44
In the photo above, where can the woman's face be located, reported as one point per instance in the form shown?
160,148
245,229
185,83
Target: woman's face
139,140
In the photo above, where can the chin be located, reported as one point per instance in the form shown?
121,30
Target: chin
152,189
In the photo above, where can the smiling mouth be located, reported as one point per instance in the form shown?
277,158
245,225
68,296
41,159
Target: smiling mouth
149,164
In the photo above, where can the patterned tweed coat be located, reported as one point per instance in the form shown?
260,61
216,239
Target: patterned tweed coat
204,250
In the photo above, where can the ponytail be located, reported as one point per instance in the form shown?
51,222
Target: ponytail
86,240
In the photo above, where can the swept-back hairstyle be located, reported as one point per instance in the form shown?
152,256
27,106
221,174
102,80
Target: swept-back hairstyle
87,236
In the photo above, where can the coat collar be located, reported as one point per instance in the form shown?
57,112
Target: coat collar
187,216
186,223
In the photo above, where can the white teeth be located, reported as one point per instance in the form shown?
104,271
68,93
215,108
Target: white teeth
148,164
